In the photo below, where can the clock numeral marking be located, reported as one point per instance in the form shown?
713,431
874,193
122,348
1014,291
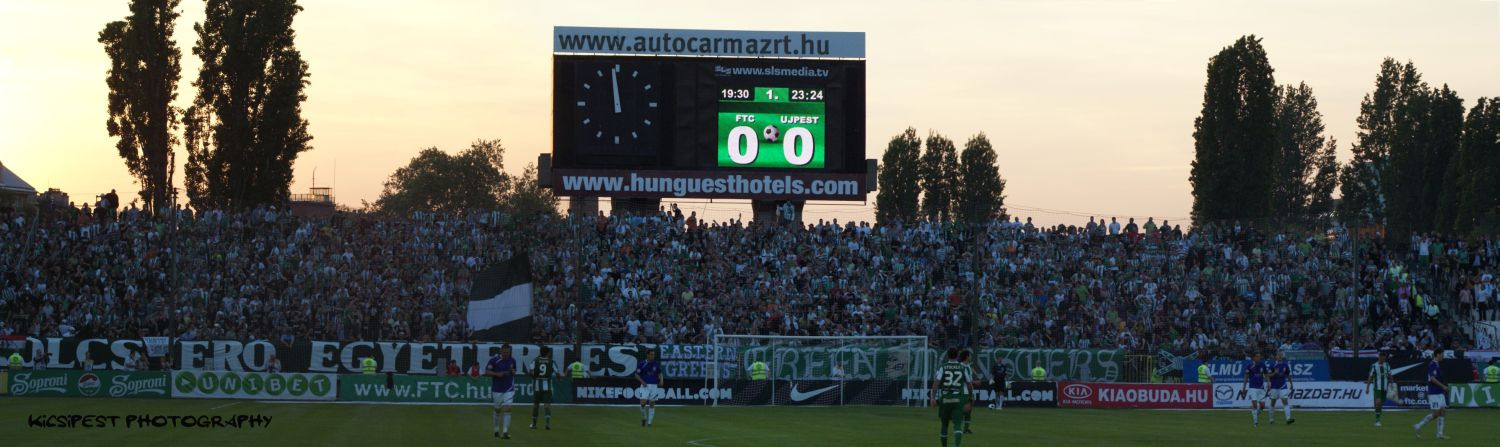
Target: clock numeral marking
599,134
633,135
648,122
648,86
633,73
600,72
581,103
651,105
617,139
586,86
585,120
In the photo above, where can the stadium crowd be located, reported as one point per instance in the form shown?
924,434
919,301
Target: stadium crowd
669,278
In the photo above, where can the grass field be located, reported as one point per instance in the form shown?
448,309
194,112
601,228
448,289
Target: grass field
299,424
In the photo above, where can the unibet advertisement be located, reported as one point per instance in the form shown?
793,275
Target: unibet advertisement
145,384
1486,395
253,385
439,389
771,127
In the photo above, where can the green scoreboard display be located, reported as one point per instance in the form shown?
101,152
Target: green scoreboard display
772,127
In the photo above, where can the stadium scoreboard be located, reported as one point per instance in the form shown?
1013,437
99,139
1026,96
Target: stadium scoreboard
714,114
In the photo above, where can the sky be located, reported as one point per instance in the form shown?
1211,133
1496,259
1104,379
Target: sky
1089,103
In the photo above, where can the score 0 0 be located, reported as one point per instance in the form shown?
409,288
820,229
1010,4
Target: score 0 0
744,147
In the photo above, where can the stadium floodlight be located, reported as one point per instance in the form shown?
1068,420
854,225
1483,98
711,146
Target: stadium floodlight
813,370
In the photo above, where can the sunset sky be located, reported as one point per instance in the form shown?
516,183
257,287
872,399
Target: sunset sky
1090,103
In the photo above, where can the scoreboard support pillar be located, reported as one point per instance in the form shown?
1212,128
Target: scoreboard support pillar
774,211
583,206
634,206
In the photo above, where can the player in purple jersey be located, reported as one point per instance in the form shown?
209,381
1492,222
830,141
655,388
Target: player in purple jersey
502,371
649,375
1254,387
1281,390
1437,396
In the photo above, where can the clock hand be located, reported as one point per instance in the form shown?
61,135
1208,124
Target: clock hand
615,83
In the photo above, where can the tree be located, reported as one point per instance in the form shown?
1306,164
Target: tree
1304,154
898,179
1363,189
529,198
142,79
1474,172
981,191
939,172
1427,127
245,127
433,181
1235,148
1440,135
1325,180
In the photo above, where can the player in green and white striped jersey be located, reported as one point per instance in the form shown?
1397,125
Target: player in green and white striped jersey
950,396
1381,378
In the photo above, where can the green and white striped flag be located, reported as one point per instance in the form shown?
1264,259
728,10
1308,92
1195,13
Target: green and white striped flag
500,301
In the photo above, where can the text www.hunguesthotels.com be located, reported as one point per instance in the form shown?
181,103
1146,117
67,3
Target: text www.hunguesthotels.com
731,184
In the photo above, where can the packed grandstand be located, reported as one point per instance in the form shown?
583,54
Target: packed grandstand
669,278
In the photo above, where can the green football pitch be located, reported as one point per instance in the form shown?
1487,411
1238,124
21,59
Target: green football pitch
319,424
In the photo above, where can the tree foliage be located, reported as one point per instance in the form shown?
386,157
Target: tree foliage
939,172
529,198
898,179
1363,189
1306,169
142,80
981,191
433,181
1474,172
245,127
1235,147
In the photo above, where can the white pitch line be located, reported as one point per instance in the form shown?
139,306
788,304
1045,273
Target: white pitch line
231,404
699,442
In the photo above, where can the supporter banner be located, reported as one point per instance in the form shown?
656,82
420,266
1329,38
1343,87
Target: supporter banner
1303,394
1406,369
156,346
678,361
316,356
1134,395
629,391
695,361
1097,365
1486,395
438,389
253,385
1233,371
1477,355
89,384
896,363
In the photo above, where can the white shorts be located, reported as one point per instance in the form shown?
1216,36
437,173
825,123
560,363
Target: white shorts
1437,401
503,399
1278,393
1257,394
648,392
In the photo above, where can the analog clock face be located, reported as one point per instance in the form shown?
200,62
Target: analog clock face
619,108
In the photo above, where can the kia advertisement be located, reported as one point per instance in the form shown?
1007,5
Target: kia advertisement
1134,395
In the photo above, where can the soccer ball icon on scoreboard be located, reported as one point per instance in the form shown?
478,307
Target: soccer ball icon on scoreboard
771,133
